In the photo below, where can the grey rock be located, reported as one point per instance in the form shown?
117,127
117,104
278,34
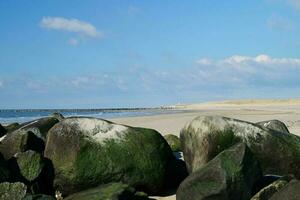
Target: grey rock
229,176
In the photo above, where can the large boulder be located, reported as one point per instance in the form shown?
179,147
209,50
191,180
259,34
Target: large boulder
20,141
275,125
3,131
267,192
38,197
111,191
173,142
40,127
12,127
206,136
12,191
230,175
288,192
30,136
30,164
86,152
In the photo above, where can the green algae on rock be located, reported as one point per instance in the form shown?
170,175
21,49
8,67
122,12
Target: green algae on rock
12,127
267,192
289,192
86,152
173,142
111,191
230,175
205,136
12,191
30,164
30,136
274,125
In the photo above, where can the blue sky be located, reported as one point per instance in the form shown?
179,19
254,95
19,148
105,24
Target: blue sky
94,54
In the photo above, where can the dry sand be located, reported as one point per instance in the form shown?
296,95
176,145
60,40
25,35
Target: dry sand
287,111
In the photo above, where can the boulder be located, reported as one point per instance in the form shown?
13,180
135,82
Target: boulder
289,192
30,164
205,136
12,127
111,191
30,136
230,175
267,192
265,181
20,141
275,125
86,152
3,131
38,197
12,191
173,142
40,127
57,115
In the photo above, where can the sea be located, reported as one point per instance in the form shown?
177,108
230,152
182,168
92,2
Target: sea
10,115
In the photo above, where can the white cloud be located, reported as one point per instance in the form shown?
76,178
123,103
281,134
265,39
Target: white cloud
70,25
1,84
249,69
203,61
261,59
73,41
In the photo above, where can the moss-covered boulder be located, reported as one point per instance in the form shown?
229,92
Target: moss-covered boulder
288,192
173,142
30,164
204,137
30,136
111,191
3,131
267,192
12,191
39,197
12,127
275,125
40,127
20,141
86,152
230,175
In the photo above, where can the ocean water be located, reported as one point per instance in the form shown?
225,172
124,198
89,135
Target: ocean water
20,116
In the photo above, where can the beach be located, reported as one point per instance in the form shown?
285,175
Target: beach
171,119
287,111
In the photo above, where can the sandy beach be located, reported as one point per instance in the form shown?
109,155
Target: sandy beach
287,111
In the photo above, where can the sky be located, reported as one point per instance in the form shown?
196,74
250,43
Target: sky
126,53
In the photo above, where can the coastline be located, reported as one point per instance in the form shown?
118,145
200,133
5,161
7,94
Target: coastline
173,121
287,111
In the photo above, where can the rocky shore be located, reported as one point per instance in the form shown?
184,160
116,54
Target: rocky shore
81,158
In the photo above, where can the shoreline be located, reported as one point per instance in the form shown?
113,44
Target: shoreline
172,123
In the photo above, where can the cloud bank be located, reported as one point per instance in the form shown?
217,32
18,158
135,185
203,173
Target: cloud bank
70,25
236,76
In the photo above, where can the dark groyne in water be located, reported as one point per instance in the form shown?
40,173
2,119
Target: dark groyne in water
86,110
